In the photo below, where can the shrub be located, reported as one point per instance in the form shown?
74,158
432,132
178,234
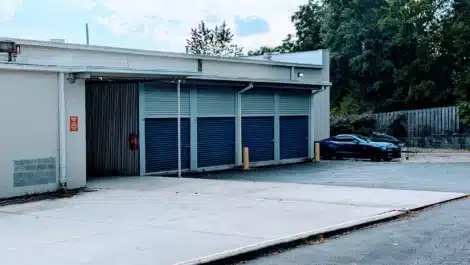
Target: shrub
357,124
397,127
464,115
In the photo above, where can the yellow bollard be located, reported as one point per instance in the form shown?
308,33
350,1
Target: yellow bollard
246,159
317,152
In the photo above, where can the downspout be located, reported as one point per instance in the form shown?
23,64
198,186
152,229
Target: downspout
312,122
238,151
62,133
179,127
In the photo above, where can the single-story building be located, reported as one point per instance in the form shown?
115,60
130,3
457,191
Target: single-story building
71,111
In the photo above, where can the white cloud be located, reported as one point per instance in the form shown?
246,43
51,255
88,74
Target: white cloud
166,23
8,9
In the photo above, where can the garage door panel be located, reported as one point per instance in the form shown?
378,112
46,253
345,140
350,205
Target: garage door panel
291,104
258,136
161,144
294,137
216,141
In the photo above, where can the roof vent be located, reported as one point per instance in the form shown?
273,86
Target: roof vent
267,57
58,40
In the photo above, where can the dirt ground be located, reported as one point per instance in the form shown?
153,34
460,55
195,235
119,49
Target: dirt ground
437,156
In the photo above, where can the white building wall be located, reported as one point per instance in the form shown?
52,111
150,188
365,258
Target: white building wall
29,134
76,141
238,70
307,57
81,56
321,112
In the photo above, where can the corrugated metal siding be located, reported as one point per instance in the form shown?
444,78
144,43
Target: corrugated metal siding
112,113
161,144
294,136
294,104
212,102
321,105
256,103
215,141
161,100
258,136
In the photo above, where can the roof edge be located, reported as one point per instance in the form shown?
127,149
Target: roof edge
84,47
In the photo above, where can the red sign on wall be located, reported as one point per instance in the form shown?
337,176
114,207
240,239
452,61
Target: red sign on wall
73,123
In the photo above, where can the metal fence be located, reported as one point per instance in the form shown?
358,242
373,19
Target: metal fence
439,142
423,122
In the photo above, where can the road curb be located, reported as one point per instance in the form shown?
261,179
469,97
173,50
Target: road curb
252,251
256,250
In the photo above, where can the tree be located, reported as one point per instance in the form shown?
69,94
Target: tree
308,21
214,42
388,55
456,45
287,45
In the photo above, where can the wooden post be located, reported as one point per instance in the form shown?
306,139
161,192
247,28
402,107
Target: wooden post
317,152
246,159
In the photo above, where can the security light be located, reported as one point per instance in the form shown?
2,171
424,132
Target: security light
7,47
300,74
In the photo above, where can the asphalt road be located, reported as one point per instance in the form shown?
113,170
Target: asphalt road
437,236
450,177
440,235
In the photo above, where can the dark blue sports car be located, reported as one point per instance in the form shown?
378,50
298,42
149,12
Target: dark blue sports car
357,146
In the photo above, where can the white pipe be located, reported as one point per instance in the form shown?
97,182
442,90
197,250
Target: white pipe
179,127
62,133
238,135
250,86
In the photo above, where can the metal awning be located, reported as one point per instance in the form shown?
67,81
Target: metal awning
126,73
95,73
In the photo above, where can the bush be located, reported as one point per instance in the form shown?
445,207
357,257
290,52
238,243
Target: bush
464,114
397,128
357,124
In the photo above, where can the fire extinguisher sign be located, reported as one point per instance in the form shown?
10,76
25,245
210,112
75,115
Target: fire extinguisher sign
73,123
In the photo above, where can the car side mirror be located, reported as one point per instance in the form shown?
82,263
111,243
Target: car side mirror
356,141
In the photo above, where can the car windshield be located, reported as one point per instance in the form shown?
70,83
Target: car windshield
363,138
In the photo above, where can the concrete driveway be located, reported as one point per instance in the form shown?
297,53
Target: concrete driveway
162,221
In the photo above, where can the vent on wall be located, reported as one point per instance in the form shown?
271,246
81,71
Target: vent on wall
30,172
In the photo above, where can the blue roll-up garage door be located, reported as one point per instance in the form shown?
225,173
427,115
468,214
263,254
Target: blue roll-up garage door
294,137
161,144
216,141
258,136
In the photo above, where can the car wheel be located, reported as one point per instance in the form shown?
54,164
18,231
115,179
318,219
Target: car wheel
376,157
387,159
326,154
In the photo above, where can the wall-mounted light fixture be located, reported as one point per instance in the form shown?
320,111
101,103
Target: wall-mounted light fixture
300,74
9,47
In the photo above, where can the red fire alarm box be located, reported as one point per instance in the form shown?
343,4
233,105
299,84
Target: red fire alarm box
73,123
133,141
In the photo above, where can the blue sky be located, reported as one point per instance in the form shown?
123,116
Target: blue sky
146,24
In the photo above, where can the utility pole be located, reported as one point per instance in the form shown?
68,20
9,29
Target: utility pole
87,35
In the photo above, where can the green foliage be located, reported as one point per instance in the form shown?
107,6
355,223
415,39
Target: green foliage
358,124
215,42
388,55
464,113
397,127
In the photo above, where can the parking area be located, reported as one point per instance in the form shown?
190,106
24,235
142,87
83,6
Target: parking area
448,176
155,220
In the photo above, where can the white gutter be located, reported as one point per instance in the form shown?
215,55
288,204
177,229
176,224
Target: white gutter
179,127
33,68
250,86
62,133
238,135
